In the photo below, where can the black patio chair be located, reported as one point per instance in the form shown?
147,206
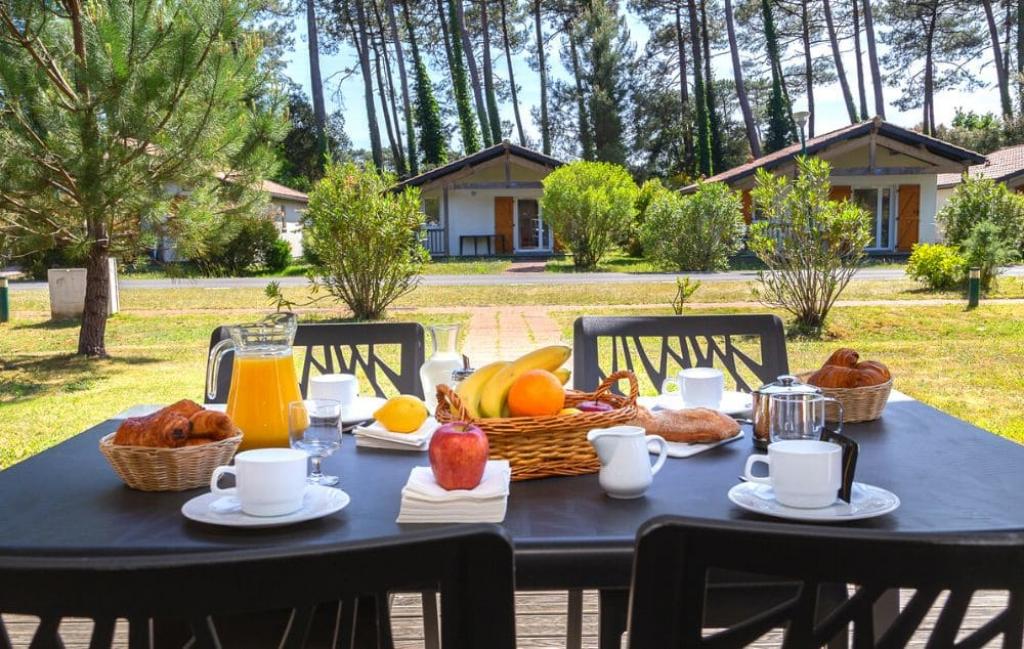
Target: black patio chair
471,567
749,349
350,348
674,556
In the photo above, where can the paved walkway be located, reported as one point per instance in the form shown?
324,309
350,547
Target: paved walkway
504,333
505,279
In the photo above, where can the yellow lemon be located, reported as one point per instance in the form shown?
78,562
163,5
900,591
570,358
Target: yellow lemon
570,411
402,414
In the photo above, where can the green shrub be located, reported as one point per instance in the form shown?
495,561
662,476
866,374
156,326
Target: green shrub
278,256
697,232
938,266
982,199
811,245
987,249
633,242
590,206
365,237
250,248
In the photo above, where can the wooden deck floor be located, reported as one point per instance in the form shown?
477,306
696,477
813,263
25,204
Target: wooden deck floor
540,622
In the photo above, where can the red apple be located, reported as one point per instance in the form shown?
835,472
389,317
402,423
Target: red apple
593,406
458,455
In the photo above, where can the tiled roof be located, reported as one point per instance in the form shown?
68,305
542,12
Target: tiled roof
1002,165
483,155
820,142
278,190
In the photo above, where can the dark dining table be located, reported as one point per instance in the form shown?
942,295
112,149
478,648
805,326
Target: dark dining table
950,476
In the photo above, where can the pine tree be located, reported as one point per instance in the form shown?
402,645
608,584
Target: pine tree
700,96
428,114
608,56
101,111
493,117
460,86
714,121
781,129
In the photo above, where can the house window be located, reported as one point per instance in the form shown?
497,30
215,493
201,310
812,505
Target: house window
880,202
432,208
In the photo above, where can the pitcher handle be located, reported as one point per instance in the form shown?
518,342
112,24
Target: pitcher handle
213,366
662,452
839,422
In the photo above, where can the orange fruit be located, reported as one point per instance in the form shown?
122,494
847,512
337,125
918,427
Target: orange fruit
536,393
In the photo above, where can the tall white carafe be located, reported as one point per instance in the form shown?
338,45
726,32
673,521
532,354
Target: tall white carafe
442,362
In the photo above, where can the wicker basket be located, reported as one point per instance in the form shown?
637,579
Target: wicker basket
545,447
168,469
859,404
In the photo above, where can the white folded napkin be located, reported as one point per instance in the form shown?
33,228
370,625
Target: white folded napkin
376,436
425,501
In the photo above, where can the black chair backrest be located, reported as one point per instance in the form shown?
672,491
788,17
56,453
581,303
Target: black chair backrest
751,349
353,348
471,567
674,555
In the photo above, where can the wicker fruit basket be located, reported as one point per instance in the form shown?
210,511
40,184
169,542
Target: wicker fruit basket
859,404
545,447
168,469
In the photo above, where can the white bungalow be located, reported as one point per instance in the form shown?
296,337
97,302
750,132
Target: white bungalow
889,170
487,203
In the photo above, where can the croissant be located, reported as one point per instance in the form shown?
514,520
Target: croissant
161,429
212,425
186,408
864,374
843,357
689,425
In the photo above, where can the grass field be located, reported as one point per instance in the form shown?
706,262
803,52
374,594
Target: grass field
968,363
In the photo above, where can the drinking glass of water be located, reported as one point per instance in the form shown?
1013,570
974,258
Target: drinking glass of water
314,426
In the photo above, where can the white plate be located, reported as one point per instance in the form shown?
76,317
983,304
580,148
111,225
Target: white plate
734,404
319,501
683,449
866,501
360,410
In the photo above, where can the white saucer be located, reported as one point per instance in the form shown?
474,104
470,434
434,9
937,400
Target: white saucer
866,501
319,501
360,410
734,404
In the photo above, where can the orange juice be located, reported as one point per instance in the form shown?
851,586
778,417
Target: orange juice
262,386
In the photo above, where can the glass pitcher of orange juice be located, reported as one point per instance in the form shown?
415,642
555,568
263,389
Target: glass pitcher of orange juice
263,380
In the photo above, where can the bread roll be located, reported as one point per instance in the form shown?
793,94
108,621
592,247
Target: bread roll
689,425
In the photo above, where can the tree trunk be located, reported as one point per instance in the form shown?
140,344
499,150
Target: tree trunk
684,89
92,335
860,61
586,135
511,75
805,35
997,54
837,57
493,118
714,121
410,131
1020,54
704,165
741,89
315,81
386,92
445,35
929,79
474,73
363,51
876,74
545,124
393,141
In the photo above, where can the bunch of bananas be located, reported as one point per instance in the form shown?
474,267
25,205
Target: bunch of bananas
485,392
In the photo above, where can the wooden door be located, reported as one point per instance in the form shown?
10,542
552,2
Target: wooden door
840,193
909,216
503,224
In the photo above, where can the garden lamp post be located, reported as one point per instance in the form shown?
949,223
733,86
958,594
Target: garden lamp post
800,117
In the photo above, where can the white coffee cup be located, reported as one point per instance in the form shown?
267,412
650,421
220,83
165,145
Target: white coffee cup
700,387
803,473
269,481
343,388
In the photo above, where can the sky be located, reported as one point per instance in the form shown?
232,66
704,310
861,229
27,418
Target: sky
830,111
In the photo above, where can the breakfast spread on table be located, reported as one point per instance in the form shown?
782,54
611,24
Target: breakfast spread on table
508,420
